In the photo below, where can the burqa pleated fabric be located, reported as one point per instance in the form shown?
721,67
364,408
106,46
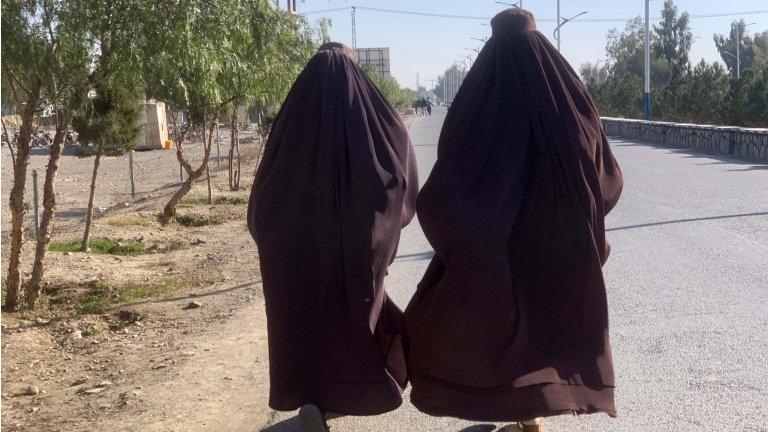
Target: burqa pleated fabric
510,321
337,183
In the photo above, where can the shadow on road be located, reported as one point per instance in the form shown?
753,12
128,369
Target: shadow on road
290,425
650,224
479,428
751,168
693,154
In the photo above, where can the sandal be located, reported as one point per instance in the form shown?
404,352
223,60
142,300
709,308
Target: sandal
537,427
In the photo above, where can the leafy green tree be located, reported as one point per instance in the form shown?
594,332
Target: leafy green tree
702,94
761,44
111,123
749,98
24,47
398,96
673,39
750,49
447,84
96,40
617,95
46,62
592,73
265,49
185,60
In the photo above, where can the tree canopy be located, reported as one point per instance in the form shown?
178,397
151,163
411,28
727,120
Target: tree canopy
700,93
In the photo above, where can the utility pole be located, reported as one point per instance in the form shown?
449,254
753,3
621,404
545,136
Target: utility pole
354,28
558,25
647,87
561,22
737,57
738,52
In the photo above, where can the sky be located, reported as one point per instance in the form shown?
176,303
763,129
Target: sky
428,45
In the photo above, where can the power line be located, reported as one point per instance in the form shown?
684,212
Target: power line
326,10
483,18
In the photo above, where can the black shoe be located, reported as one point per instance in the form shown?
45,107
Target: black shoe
311,419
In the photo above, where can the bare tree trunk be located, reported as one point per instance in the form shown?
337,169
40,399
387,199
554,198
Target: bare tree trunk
16,201
192,174
234,149
10,145
33,288
89,212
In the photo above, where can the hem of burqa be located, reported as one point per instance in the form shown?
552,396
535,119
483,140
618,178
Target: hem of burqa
508,404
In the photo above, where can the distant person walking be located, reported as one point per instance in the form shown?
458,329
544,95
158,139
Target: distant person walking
336,185
510,322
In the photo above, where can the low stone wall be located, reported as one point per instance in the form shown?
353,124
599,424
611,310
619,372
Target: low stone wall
739,142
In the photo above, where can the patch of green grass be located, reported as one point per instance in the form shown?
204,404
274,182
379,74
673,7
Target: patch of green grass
220,200
231,200
91,304
132,292
102,296
100,245
193,200
191,220
65,246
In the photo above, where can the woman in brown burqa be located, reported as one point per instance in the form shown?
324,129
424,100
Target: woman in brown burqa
337,183
510,321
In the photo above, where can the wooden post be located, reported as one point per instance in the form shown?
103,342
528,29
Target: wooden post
37,204
218,148
208,177
206,139
130,170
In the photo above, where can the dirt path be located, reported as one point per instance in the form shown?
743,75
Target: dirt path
222,387
183,369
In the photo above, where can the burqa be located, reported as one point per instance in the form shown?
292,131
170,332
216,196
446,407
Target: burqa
510,321
337,183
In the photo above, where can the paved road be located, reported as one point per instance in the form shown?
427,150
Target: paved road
688,293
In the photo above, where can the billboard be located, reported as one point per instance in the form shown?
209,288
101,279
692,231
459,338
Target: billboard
377,58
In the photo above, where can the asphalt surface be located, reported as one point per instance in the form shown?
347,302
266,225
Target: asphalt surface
688,293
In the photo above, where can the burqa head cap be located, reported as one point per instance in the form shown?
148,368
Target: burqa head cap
513,21
340,48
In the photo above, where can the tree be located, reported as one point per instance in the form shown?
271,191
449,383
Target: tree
398,96
448,83
111,124
184,67
96,40
265,49
702,94
592,73
749,98
673,39
29,49
749,49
